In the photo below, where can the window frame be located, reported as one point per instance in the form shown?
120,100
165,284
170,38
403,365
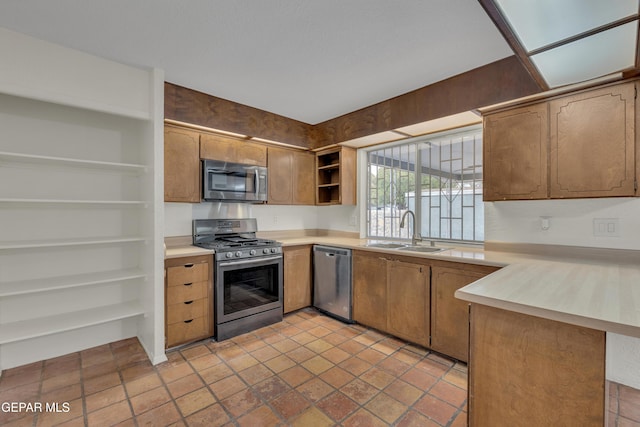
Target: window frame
419,189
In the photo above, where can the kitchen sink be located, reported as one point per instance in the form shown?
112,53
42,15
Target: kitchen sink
386,245
422,249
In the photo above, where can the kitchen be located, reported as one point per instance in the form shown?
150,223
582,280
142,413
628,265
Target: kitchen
516,222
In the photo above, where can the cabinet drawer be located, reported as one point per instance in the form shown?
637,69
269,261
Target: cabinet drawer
182,293
184,331
188,273
187,310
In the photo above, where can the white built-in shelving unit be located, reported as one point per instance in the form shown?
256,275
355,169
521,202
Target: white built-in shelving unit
81,257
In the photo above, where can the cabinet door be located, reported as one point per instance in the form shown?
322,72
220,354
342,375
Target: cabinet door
279,170
220,147
181,165
348,176
515,154
370,290
522,366
408,301
250,153
217,147
592,143
449,315
297,278
303,178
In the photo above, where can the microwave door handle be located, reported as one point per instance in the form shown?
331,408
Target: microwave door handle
257,180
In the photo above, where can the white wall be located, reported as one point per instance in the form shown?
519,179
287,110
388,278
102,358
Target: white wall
571,223
178,216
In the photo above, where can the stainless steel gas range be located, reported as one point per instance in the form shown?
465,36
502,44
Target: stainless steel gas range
247,276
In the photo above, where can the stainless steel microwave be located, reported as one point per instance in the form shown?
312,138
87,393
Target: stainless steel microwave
233,182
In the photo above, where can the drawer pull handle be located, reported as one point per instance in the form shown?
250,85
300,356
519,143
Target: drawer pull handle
188,321
188,265
188,284
188,302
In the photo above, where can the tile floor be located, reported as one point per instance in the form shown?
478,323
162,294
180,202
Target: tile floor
309,370
624,406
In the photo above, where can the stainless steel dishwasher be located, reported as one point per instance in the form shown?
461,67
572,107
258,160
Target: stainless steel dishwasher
332,291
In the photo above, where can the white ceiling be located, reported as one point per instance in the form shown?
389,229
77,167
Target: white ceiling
310,60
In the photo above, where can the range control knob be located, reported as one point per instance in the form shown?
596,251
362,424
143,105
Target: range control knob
252,252
229,254
274,250
265,251
238,254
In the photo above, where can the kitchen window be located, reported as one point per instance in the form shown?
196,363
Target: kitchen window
438,177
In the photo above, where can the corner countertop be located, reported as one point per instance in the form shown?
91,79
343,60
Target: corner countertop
598,289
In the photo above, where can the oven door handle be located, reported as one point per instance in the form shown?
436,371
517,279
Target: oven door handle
249,261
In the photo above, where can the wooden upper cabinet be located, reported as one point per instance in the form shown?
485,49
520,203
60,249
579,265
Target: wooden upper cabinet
593,143
220,147
515,154
408,301
291,177
280,186
250,153
336,176
303,178
181,165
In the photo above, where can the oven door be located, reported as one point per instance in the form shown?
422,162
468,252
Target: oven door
233,182
248,286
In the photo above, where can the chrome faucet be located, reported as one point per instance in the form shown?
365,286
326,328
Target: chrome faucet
415,238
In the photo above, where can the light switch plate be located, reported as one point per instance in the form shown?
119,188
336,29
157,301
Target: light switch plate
606,227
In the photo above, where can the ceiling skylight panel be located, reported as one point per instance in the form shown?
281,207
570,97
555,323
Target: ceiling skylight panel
538,23
601,54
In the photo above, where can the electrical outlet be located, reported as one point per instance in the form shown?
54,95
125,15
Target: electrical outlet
275,219
606,227
353,220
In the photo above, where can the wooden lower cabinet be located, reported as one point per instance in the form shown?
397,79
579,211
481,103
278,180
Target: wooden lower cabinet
298,277
391,294
370,289
408,301
529,371
188,299
450,315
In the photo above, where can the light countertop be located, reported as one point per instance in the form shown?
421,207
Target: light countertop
594,292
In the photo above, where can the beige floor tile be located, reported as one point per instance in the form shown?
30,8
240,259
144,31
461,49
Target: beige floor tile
317,365
104,398
195,401
149,400
280,363
313,417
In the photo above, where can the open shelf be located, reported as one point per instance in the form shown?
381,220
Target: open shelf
38,327
29,202
36,244
336,176
331,166
63,161
23,287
